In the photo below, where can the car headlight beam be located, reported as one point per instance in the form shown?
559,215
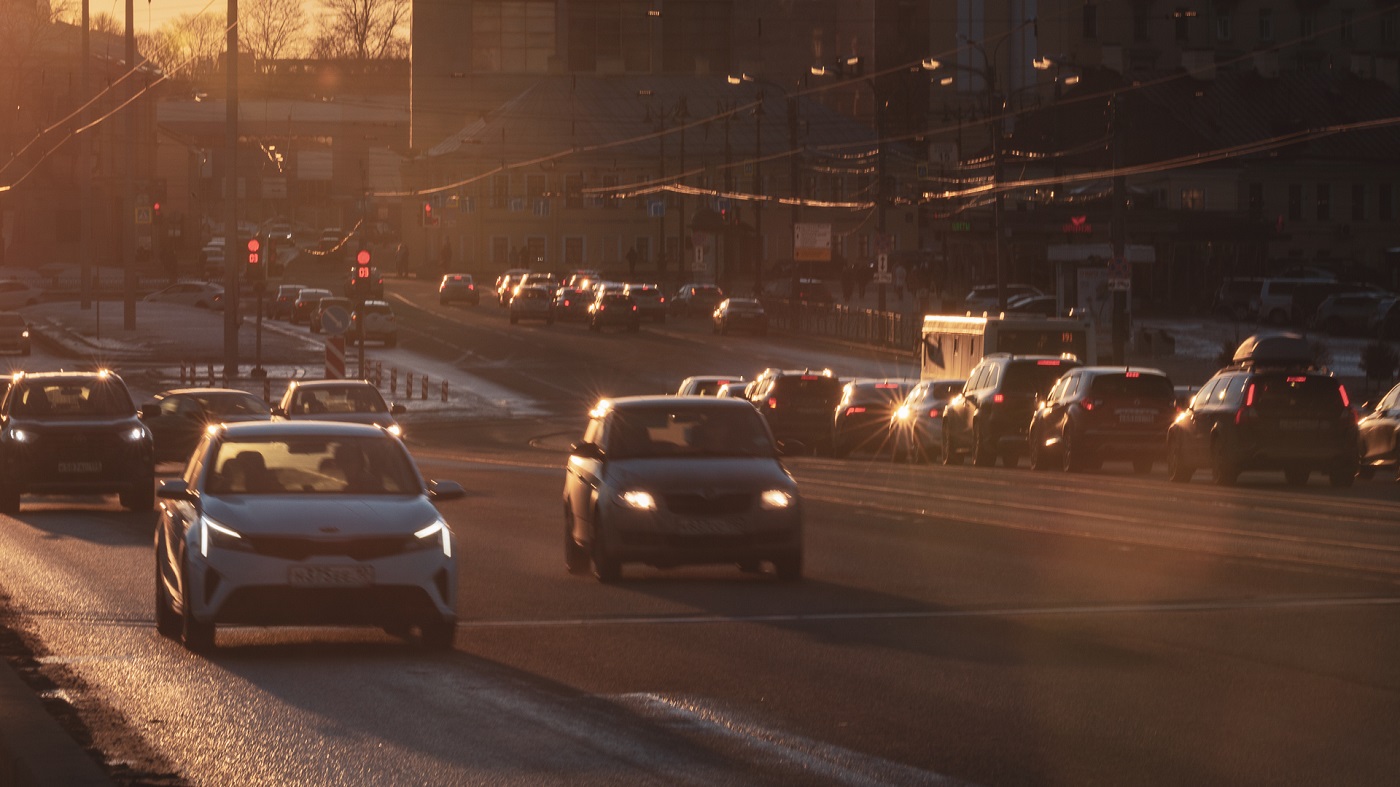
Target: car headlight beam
21,436
775,500
211,530
135,434
638,499
440,530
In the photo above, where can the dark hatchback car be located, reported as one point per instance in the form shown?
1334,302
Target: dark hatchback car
74,433
1272,409
989,418
797,404
179,418
614,309
741,314
458,288
1098,413
862,419
696,299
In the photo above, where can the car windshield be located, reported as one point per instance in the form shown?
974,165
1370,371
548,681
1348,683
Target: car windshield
1028,378
103,398
312,465
233,404
1133,385
339,400
678,431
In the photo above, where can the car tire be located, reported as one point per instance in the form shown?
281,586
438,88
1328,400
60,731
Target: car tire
438,634
315,327
1143,466
196,635
1342,477
788,568
167,620
576,559
1223,469
951,457
982,453
606,568
142,495
1040,459
1070,459
1178,471
1297,476
1366,472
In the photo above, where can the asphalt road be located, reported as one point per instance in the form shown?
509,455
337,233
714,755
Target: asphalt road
960,624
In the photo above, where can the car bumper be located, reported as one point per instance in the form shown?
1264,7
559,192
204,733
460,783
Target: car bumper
665,539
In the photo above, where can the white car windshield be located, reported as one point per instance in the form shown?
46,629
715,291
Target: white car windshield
311,465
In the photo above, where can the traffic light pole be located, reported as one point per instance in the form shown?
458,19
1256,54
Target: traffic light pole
233,262
258,371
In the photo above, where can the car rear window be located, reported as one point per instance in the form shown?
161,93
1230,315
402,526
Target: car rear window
1032,377
1297,391
880,392
808,388
1132,385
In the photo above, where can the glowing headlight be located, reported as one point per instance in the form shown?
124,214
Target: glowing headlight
21,436
774,500
438,530
211,531
395,430
134,434
636,498
902,413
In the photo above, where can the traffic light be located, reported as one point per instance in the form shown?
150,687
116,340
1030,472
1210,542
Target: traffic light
430,219
256,267
362,266
155,211
360,287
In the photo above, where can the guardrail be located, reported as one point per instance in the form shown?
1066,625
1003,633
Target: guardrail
894,330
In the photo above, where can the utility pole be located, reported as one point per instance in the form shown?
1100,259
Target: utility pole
132,169
994,120
722,248
881,195
795,184
1118,233
233,251
661,214
87,214
681,116
758,204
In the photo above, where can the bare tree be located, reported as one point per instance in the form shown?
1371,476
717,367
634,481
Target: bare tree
362,29
190,45
273,29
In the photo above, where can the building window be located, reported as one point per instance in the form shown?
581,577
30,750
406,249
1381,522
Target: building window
643,246
1324,202
535,248
1307,24
1266,24
573,251
1358,202
534,185
1385,203
610,197
500,251
500,191
1193,199
610,254
1224,27
573,191
1091,21
610,36
1295,202
512,36
1348,27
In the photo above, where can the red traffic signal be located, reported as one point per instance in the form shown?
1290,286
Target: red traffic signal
254,251
429,220
362,258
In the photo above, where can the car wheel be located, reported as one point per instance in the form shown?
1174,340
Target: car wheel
141,496
1178,470
1224,470
950,454
438,634
788,567
1366,472
1142,466
196,635
1070,460
1342,477
1039,459
1296,476
315,327
982,453
575,556
606,568
167,621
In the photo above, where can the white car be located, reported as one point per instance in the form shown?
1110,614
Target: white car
303,523
199,294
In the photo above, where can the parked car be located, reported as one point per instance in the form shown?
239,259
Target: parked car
74,433
651,302
988,420
797,404
532,302
672,481
14,333
1379,432
15,294
1237,298
613,310
458,288
862,418
284,300
916,427
304,523
374,321
983,297
314,320
179,418
740,314
806,290
696,298
199,294
1271,409
1098,413
306,302
706,384
1349,313
353,401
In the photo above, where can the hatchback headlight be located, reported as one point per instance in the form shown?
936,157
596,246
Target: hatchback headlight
394,429
437,532
902,413
135,434
21,436
637,499
213,533
775,500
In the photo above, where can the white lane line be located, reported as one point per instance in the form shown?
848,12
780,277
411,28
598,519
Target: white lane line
928,614
821,761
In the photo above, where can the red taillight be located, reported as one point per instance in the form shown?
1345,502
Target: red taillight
772,403
886,385
566,303
1130,374
935,413
1296,379
998,398
634,307
471,286
1047,363
1346,400
663,299
854,410
1089,404
810,377
1249,396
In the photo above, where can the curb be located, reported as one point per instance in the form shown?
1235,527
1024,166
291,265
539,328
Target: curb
35,750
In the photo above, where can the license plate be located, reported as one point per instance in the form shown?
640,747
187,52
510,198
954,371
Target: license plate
1296,425
1134,418
79,467
330,576
705,526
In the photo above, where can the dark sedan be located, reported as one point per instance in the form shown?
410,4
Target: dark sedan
614,309
179,418
862,419
741,314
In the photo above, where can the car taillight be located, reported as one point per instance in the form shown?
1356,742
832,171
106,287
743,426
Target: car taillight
566,303
1246,412
1090,404
634,307
471,286
935,413
998,399
772,403
854,410
1346,400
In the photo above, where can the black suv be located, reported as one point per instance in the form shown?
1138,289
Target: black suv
1095,413
1272,409
798,405
74,433
862,420
990,417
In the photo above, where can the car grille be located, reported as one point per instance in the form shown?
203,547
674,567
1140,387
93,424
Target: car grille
709,505
292,548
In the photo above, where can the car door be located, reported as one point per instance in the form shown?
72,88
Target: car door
166,427
1047,425
1188,429
582,480
1211,416
1378,428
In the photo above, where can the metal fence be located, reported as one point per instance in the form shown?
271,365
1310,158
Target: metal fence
893,330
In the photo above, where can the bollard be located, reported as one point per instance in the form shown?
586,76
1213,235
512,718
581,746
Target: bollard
423,392
393,381
408,385
211,375
444,390
267,390
182,373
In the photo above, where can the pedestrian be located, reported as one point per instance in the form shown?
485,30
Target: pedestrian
632,261
401,253
900,276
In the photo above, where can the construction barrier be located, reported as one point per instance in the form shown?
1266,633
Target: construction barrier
335,358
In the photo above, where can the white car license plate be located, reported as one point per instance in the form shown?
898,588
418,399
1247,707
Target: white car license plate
79,467
705,526
330,576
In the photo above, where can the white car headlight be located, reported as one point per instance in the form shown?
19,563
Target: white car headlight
21,436
775,500
438,530
212,532
636,498
394,429
135,434
902,413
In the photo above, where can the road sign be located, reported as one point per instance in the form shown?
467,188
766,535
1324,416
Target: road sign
884,277
882,263
811,242
1120,274
144,214
335,320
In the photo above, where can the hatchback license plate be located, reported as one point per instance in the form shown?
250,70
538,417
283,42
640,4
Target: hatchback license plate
1297,425
330,576
705,526
79,467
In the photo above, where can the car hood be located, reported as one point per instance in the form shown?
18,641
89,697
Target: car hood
330,516
674,473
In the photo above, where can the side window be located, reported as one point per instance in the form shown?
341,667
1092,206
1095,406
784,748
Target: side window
1056,390
1203,396
975,378
992,377
1071,386
593,431
170,405
1390,400
195,468
1234,394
